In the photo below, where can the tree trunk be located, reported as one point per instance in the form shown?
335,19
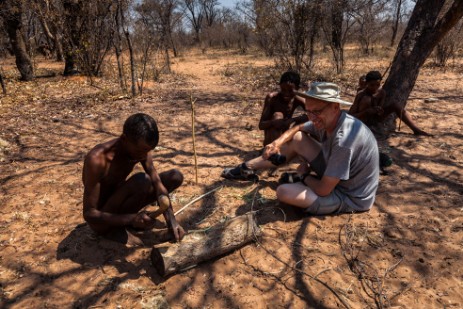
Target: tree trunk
125,29
11,12
72,34
3,84
431,20
337,17
197,247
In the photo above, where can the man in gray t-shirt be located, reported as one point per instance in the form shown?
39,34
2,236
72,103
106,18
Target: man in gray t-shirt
339,148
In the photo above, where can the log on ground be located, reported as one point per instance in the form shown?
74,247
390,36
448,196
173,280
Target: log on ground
200,246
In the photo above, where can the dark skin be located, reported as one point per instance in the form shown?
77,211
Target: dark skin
369,107
368,103
277,114
111,201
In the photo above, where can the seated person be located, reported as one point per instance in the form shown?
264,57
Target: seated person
369,106
279,107
362,83
339,148
111,200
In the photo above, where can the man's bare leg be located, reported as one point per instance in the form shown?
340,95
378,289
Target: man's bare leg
130,198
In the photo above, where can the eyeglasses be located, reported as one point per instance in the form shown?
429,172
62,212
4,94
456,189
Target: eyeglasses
317,112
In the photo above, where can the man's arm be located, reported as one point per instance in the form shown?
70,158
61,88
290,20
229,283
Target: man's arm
94,166
274,147
159,188
323,186
266,121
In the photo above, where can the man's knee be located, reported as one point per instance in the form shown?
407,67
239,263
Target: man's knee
140,182
285,193
298,137
172,179
176,178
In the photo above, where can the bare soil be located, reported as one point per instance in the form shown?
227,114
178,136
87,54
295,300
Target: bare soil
405,253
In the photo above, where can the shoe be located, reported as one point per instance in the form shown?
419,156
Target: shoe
290,178
239,173
384,160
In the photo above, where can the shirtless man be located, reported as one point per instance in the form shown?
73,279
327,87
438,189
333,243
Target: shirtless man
369,106
111,200
279,107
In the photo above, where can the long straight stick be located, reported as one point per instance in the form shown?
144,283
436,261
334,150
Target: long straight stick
195,200
193,135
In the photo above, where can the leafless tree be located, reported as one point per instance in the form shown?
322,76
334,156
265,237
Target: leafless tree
49,14
195,15
366,13
447,48
337,24
210,11
11,12
398,8
123,8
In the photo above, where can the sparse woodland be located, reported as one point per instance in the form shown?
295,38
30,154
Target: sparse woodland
71,71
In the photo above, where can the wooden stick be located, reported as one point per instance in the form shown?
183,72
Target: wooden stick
400,118
192,102
195,200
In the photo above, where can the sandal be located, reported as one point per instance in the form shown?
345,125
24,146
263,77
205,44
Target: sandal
238,173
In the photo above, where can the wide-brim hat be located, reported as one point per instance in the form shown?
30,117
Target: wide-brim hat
327,92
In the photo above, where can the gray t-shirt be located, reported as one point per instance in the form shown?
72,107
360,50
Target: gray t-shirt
351,154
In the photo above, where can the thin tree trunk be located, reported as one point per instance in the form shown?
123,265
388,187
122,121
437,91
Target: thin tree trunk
132,56
12,15
395,26
118,50
3,84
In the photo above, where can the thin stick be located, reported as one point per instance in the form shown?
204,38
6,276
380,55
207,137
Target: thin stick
195,200
400,118
192,102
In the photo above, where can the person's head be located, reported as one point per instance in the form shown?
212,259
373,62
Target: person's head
322,104
362,82
140,134
373,81
289,81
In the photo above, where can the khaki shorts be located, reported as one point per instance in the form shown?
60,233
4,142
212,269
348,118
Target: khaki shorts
334,203
331,204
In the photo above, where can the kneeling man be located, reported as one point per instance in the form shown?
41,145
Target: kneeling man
112,199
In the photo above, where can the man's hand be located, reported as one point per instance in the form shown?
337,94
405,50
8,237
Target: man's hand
142,221
281,123
376,110
270,149
178,231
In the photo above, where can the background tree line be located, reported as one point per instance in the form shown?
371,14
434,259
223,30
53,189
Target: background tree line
140,37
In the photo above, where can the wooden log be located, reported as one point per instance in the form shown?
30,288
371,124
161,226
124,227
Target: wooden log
199,246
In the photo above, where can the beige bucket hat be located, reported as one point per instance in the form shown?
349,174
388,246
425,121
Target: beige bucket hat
328,92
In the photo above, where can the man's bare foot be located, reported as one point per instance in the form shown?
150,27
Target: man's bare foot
124,236
421,133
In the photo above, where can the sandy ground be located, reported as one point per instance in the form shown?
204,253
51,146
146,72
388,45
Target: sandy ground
405,253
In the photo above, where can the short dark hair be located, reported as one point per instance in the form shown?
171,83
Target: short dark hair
373,75
291,77
142,126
